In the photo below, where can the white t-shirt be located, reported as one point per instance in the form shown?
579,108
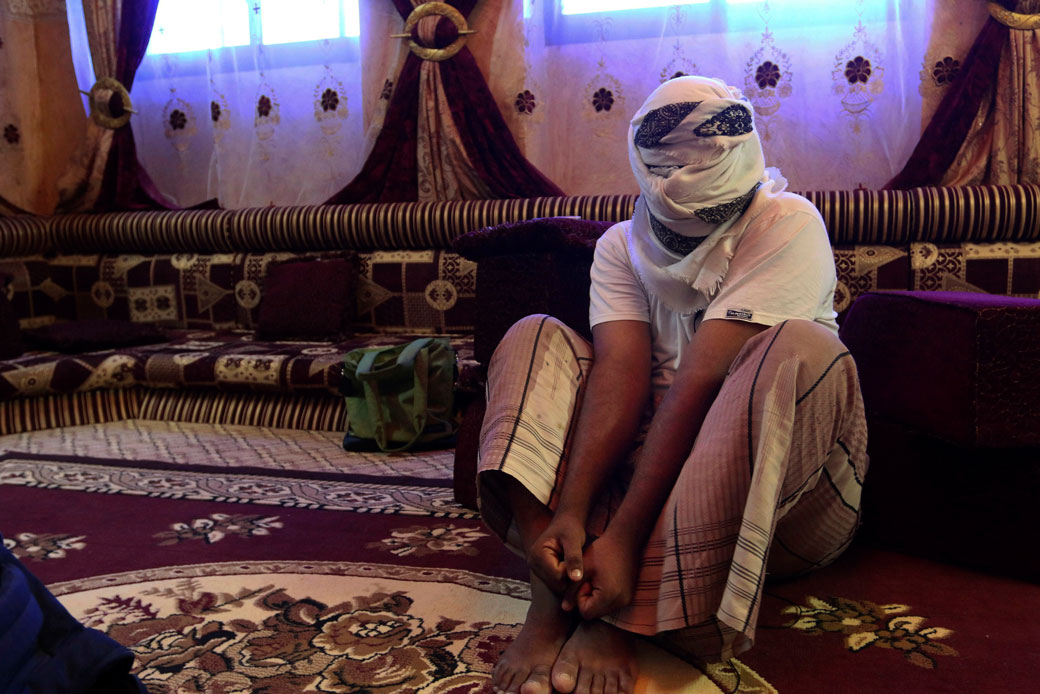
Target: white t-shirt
782,268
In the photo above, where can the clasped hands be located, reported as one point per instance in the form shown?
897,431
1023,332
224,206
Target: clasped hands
597,579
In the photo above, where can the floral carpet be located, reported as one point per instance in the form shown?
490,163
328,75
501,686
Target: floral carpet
278,581
289,580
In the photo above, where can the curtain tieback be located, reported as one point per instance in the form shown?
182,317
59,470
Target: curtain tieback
1013,20
444,10
110,105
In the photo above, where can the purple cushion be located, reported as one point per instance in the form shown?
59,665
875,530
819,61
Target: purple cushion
533,236
10,335
958,366
93,335
971,300
307,300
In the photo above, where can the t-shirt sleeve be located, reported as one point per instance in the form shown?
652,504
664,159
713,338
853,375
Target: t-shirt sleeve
783,268
616,292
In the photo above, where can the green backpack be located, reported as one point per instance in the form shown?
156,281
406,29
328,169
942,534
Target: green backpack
400,396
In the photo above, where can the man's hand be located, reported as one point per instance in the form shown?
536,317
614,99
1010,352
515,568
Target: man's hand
609,580
555,557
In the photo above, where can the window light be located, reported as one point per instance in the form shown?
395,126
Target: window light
197,25
587,6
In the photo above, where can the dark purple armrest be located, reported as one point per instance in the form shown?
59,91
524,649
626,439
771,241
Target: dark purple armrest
567,234
958,366
535,266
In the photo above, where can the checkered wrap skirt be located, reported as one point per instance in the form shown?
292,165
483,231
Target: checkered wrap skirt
772,484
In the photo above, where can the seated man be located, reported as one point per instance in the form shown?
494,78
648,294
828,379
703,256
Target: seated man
714,430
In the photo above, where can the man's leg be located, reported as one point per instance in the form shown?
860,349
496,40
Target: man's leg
526,665
535,384
535,381
557,647
780,456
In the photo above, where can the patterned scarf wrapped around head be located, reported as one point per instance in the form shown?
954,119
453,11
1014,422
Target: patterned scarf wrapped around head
699,163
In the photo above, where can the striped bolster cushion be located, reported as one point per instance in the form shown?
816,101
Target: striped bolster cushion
932,214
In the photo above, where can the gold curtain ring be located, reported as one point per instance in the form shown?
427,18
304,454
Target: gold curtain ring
1013,20
444,10
100,96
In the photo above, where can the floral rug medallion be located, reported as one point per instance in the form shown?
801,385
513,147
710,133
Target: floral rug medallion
339,627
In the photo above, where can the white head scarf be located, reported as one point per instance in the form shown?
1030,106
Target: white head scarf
697,158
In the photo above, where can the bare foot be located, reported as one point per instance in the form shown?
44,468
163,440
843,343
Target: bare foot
525,666
597,659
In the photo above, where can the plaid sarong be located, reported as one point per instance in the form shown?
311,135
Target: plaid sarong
772,484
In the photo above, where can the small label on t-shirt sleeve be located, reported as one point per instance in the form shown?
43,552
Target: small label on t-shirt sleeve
738,313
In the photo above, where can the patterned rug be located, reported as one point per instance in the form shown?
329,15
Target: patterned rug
326,572
230,446
263,580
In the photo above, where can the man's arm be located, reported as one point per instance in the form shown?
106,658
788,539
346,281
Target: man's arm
618,391
611,561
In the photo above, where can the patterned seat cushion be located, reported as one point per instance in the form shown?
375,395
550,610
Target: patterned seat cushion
407,292
203,360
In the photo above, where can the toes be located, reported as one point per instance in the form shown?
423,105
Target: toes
499,676
584,683
509,683
506,680
611,684
565,672
597,684
626,683
537,682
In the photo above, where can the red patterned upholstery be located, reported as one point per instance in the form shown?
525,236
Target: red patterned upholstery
416,291
994,268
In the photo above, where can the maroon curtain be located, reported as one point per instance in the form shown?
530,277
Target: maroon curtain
390,173
942,139
126,185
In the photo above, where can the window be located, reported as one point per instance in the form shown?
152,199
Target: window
184,26
585,21
589,6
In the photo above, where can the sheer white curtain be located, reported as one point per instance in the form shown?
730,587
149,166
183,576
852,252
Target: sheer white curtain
273,121
841,89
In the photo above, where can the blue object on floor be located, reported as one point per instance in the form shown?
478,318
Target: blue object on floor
44,649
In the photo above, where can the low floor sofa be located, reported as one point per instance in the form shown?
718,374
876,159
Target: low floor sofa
200,279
